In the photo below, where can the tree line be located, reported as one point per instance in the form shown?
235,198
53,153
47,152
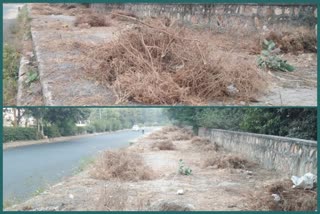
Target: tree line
289,122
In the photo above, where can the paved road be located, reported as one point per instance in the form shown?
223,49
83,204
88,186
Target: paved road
30,168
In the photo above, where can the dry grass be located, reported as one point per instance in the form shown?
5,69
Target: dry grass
204,144
58,9
122,15
294,41
93,20
163,145
158,135
170,129
182,134
121,165
290,199
113,197
159,64
226,161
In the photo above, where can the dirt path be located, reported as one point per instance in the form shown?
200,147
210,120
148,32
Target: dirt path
208,188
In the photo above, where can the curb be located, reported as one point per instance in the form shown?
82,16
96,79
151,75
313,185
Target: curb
16,144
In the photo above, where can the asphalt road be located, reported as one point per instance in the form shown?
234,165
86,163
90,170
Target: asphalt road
32,168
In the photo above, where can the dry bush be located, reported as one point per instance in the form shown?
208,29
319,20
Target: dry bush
164,145
290,199
226,161
170,129
179,135
122,15
159,135
121,165
158,64
298,40
58,9
46,9
93,20
204,144
113,197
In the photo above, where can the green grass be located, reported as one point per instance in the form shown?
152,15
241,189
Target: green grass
39,191
11,56
84,163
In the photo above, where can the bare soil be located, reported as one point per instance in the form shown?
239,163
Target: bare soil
207,188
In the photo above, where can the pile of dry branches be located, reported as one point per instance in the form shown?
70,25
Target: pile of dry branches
159,62
121,165
92,19
294,41
290,199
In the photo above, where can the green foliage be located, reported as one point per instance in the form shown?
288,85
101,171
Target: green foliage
32,76
10,70
91,129
81,130
19,133
184,170
51,131
270,60
68,128
289,122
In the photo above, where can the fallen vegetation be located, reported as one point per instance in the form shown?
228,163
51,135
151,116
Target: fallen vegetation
204,144
290,199
163,145
157,63
59,9
121,165
93,20
226,161
294,41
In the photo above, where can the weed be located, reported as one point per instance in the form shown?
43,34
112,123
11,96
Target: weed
268,58
84,163
32,76
184,170
39,191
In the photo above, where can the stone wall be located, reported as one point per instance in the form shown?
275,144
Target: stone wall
224,16
290,156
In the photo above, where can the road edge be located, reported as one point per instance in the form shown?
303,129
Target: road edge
16,144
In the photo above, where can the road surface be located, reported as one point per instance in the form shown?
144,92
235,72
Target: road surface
29,169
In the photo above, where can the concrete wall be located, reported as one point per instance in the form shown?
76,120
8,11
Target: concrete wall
251,17
288,155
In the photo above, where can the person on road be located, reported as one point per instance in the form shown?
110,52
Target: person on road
142,131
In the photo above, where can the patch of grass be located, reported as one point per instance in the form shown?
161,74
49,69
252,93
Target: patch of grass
39,191
122,165
32,76
11,56
11,59
84,163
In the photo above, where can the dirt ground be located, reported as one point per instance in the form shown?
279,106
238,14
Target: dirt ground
64,81
207,188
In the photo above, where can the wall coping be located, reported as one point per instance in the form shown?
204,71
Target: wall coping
271,137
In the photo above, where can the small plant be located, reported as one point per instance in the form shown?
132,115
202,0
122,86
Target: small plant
269,59
39,191
32,76
183,170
